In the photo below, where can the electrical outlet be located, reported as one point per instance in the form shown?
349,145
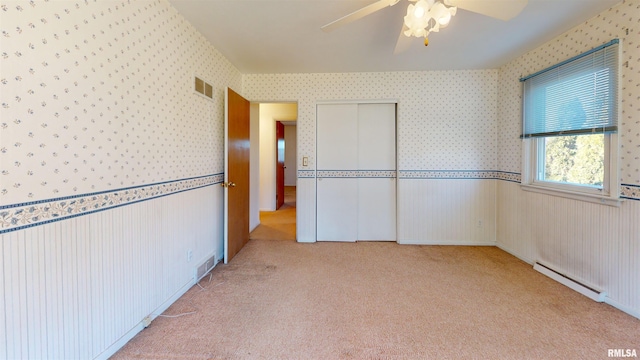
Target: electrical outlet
189,255
146,321
305,161
479,223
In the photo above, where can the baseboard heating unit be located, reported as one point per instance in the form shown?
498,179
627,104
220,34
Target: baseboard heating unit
585,290
205,267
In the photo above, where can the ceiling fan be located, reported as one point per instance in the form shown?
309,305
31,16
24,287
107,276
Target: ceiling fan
427,16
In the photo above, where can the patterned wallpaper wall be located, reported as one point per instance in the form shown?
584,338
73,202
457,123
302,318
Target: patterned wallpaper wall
446,119
98,95
623,22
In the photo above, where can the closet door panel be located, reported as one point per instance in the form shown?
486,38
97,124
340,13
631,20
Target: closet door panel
337,149
376,136
376,152
337,216
376,209
337,136
358,202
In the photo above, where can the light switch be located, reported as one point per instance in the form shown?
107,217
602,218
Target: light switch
305,161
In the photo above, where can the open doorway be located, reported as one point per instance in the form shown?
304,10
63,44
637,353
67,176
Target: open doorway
274,166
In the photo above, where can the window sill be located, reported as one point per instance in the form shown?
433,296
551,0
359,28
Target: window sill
597,199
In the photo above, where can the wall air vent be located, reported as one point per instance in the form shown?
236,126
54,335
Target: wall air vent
204,88
205,267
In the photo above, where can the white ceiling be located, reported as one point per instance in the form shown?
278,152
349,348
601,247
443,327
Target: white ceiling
284,36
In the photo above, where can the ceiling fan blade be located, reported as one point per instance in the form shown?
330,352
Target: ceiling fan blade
499,9
404,42
358,14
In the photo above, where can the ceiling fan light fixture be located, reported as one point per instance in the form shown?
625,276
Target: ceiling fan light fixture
447,15
437,10
418,11
444,20
417,18
426,16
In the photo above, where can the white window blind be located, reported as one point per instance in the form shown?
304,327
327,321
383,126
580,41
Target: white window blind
577,96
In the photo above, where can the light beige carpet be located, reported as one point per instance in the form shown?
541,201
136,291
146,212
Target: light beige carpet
286,300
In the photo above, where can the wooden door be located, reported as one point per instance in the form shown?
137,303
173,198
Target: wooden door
236,184
279,164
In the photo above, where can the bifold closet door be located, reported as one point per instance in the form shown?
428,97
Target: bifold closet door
336,185
377,172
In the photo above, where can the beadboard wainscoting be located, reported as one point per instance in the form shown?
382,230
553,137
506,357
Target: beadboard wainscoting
446,211
594,244
306,206
81,287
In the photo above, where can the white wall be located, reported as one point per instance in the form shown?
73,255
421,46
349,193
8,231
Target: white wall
110,164
254,172
269,114
290,145
446,123
595,244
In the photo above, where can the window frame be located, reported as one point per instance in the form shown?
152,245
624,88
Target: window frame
533,158
610,193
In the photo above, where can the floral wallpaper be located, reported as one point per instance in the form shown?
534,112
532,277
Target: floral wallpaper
97,98
622,22
26,215
445,120
356,174
98,95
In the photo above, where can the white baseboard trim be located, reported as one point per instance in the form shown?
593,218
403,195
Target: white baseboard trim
113,348
624,308
305,238
438,242
254,227
306,241
507,250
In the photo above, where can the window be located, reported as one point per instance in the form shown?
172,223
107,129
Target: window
570,125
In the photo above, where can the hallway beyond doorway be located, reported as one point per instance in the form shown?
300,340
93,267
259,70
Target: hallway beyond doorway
279,224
